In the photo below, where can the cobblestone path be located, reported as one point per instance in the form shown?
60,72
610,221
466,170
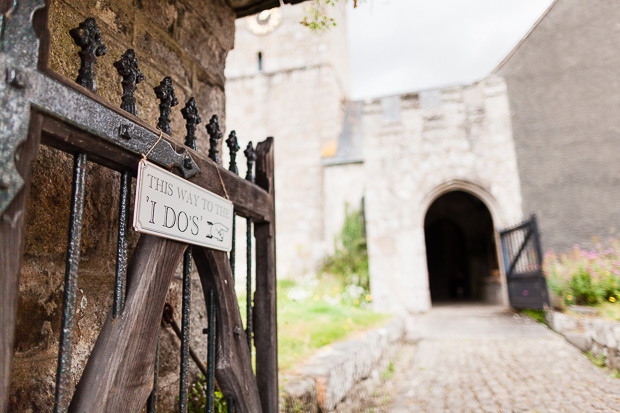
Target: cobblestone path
482,359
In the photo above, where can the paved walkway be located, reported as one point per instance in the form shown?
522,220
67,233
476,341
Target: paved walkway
483,359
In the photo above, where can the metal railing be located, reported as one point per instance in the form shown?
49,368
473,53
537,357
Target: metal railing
116,139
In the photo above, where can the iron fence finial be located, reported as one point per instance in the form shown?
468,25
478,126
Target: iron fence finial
192,118
88,36
127,68
233,147
215,134
250,155
167,98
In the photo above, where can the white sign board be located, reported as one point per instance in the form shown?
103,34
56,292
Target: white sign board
171,207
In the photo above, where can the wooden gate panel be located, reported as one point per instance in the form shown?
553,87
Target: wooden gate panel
119,372
266,338
12,231
233,365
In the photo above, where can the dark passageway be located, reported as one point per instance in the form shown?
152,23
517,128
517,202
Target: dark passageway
460,250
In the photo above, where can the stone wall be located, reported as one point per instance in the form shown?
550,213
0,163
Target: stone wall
565,98
417,147
185,39
298,97
599,337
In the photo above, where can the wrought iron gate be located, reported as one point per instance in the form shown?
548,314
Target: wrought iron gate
41,107
522,254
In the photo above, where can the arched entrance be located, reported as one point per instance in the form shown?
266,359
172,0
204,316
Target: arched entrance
460,250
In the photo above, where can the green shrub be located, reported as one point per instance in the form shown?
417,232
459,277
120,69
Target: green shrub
585,277
197,398
349,263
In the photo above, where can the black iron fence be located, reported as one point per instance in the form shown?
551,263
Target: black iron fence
523,258
40,105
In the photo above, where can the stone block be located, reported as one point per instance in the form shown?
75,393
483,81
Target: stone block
580,340
299,395
339,367
564,322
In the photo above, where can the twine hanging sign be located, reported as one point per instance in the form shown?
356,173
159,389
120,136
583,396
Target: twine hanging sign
169,206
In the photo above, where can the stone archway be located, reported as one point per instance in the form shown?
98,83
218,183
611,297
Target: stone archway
461,253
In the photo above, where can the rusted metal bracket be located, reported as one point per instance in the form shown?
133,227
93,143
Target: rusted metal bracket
24,88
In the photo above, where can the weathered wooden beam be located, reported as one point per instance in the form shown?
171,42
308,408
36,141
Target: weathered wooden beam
119,372
250,200
233,369
265,318
12,232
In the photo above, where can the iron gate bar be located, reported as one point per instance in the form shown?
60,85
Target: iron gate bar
151,403
168,317
127,68
70,291
537,244
233,148
211,352
515,260
192,118
250,156
185,329
77,121
121,249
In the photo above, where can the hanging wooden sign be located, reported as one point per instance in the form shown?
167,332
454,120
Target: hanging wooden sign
168,206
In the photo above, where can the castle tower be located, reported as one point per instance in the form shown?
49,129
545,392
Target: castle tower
295,91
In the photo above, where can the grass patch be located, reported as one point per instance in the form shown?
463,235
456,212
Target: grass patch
538,315
598,361
312,316
389,372
609,311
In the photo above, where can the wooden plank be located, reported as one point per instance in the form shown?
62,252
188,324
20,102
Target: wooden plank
233,369
119,372
265,317
12,231
250,200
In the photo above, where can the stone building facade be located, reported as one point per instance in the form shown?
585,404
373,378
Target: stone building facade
418,147
535,136
564,92
295,91
187,40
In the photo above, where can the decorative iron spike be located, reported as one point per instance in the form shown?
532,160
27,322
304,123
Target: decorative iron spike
167,99
215,134
192,118
127,67
233,147
250,155
88,36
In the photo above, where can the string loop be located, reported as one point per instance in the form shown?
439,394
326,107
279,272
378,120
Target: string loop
161,135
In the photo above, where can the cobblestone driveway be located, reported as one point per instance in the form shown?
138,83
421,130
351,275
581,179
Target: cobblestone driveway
482,359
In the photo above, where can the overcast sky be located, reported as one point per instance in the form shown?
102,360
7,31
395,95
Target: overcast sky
399,46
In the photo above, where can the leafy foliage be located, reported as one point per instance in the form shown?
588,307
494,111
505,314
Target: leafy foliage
349,263
197,401
585,277
316,17
538,315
